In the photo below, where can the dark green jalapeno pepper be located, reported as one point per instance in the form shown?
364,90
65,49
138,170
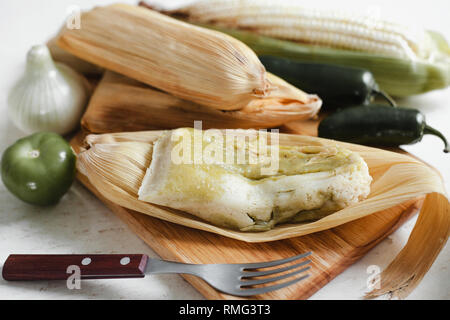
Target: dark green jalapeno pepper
378,125
337,86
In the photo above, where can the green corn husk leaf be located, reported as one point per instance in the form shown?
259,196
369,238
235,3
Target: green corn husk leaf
398,77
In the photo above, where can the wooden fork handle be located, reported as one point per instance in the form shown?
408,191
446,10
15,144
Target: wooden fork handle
62,266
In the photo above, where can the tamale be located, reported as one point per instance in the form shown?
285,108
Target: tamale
189,62
237,193
120,104
245,185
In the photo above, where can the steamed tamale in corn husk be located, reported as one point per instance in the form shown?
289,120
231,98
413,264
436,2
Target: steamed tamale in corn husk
116,165
206,67
234,178
120,104
249,189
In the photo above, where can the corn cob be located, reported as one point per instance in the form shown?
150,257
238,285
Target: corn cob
397,77
404,61
290,21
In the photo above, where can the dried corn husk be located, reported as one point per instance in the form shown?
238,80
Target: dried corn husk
115,165
123,104
192,63
82,66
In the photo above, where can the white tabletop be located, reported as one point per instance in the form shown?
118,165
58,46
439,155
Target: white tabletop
82,224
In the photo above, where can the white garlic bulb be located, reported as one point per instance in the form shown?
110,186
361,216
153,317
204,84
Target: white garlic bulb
49,97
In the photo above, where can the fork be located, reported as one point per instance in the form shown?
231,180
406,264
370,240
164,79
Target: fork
234,279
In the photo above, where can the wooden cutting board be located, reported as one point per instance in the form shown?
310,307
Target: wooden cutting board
333,250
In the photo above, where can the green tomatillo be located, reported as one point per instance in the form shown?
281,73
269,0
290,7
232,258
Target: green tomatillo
39,169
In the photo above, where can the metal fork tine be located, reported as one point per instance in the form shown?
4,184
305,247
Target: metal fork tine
273,279
229,278
248,274
258,265
256,291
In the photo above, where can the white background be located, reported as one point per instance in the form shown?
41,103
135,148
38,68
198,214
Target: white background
81,224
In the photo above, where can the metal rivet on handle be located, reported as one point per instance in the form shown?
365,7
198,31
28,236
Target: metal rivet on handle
124,261
86,261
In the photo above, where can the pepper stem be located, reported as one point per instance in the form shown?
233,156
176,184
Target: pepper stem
430,130
385,96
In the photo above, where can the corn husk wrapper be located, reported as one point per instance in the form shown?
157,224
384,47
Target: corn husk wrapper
123,104
82,66
115,164
189,62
